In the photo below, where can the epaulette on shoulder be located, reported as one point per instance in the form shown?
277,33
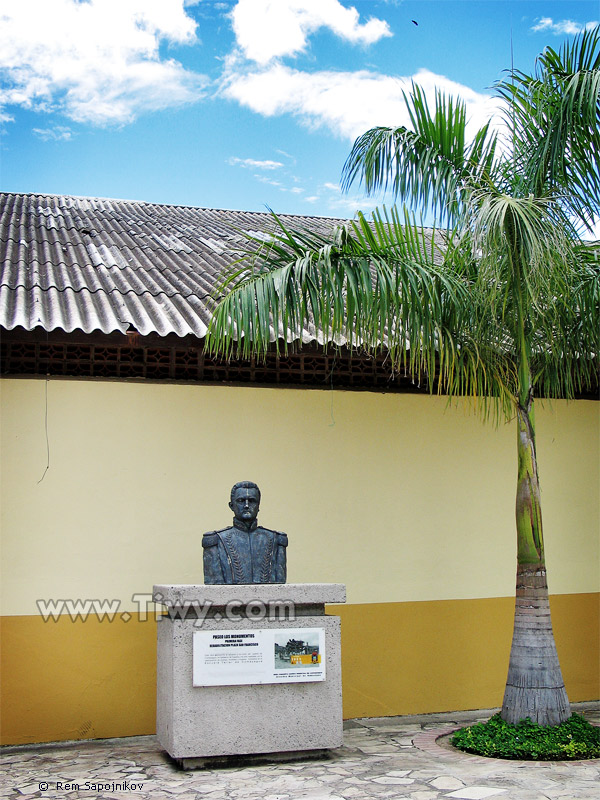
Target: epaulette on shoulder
282,538
210,539
270,530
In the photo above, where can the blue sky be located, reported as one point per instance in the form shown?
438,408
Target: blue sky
241,104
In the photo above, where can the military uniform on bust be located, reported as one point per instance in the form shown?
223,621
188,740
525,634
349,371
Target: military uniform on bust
245,552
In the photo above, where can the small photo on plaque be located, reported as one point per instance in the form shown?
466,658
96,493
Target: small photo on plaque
292,653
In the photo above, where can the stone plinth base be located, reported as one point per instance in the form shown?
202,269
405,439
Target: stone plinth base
252,758
195,723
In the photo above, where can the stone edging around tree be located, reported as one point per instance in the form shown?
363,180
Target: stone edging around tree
429,742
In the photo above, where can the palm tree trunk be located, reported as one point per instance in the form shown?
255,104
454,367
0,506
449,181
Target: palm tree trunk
534,687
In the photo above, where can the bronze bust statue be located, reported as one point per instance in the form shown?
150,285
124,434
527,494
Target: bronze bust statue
245,552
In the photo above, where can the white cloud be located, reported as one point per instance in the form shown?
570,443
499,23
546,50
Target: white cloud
286,155
347,206
562,27
343,204
97,61
284,174
57,133
252,163
348,103
267,29
276,184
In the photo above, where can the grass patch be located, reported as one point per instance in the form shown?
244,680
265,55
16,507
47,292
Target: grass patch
574,739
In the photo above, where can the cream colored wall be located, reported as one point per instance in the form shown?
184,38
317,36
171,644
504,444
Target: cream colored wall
397,496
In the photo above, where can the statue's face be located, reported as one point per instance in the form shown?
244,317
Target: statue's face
245,504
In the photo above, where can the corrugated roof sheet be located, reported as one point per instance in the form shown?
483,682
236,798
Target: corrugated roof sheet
113,265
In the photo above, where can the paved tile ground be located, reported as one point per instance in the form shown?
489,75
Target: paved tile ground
387,757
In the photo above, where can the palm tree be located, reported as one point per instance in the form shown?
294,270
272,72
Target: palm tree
499,303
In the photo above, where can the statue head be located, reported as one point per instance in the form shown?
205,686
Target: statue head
245,501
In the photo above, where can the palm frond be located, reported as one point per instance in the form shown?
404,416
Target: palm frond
554,116
374,285
429,164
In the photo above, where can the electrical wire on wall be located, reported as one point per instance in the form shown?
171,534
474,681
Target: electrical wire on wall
46,422
46,430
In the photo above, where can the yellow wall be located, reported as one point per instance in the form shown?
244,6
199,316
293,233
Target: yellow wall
76,680
414,658
407,502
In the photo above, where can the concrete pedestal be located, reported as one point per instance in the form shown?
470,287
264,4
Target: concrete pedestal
200,723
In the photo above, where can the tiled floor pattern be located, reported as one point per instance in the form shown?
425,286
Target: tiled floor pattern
387,757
